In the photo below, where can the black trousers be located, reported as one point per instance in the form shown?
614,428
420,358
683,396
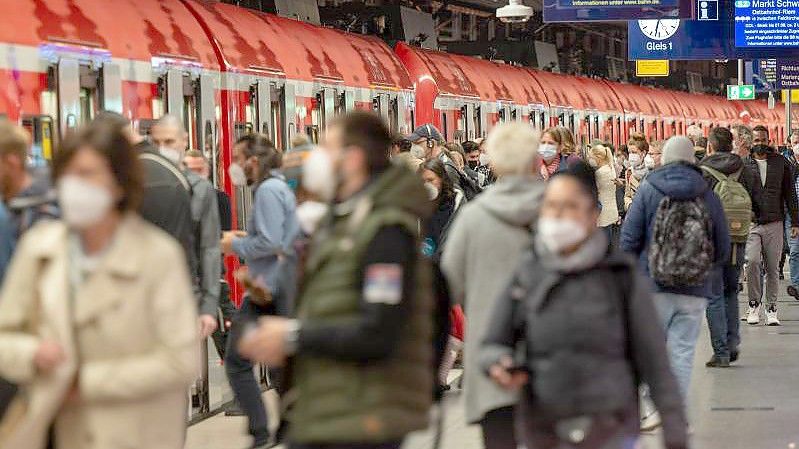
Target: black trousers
390,445
499,429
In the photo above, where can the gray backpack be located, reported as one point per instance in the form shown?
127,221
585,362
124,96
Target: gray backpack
681,250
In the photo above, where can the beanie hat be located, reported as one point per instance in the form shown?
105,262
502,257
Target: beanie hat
678,149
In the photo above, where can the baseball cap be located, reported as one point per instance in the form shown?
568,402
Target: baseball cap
426,131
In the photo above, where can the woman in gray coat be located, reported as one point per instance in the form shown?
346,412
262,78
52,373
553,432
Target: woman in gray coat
577,329
482,250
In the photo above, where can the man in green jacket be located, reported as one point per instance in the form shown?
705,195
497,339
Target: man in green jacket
361,346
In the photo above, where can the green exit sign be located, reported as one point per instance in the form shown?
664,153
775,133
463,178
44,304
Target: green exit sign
743,92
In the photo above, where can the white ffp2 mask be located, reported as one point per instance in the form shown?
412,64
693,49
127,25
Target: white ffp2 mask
319,174
82,203
558,234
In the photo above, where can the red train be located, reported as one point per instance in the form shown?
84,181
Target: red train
228,71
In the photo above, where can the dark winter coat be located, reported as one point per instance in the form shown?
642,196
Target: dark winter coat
770,202
587,328
680,181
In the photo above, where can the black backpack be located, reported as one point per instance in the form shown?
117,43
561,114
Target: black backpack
681,250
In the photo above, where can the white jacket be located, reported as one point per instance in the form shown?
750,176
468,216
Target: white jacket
130,340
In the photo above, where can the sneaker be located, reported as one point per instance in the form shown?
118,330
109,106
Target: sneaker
771,317
651,422
718,362
734,356
793,292
753,316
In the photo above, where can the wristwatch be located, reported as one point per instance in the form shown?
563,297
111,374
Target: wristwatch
291,339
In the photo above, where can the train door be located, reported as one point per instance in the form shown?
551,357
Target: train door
42,131
76,91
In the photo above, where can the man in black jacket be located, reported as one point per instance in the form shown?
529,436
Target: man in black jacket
773,193
722,308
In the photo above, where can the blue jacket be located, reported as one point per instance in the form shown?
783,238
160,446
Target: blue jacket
268,247
8,240
680,181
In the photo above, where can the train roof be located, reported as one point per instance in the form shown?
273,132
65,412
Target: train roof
464,76
259,43
575,92
131,29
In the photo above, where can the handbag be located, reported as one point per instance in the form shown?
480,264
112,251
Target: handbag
18,407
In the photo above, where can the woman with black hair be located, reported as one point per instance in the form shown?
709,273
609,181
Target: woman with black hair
583,316
447,200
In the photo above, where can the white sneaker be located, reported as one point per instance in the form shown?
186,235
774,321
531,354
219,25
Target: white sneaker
651,422
771,317
753,316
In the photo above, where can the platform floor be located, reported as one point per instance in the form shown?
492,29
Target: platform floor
754,405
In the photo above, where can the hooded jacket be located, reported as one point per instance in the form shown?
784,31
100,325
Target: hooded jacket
484,244
728,164
680,181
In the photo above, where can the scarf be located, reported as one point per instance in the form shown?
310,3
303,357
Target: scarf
549,168
591,252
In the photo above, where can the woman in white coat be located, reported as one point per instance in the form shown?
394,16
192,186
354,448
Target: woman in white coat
601,158
97,319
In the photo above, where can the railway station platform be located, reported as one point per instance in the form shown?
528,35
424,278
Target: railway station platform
752,405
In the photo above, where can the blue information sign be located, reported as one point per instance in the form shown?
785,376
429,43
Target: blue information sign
761,73
767,23
588,10
703,38
788,74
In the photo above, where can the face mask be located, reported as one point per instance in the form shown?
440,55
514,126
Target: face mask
635,159
432,191
761,149
593,162
547,151
82,203
649,162
484,159
173,155
309,214
473,164
319,174
558,234
418,151
237,175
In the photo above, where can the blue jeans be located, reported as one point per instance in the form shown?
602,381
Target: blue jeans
722,310
793,253
241,376
681,317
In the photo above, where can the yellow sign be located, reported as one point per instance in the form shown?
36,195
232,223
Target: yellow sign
794,95
654,67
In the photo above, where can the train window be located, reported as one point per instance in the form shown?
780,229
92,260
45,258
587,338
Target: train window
596,126
572,124
543,124
587,121
241,129
445,124
393,115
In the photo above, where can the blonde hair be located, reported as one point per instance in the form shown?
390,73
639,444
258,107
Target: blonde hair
604,156
512,147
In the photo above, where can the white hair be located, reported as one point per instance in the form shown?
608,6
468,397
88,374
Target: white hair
512,148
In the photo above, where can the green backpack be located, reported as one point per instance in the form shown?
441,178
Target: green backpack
736,203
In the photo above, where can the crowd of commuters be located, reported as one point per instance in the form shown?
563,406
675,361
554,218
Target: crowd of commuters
573,280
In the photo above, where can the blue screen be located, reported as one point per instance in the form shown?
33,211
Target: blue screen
767,23
589,10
